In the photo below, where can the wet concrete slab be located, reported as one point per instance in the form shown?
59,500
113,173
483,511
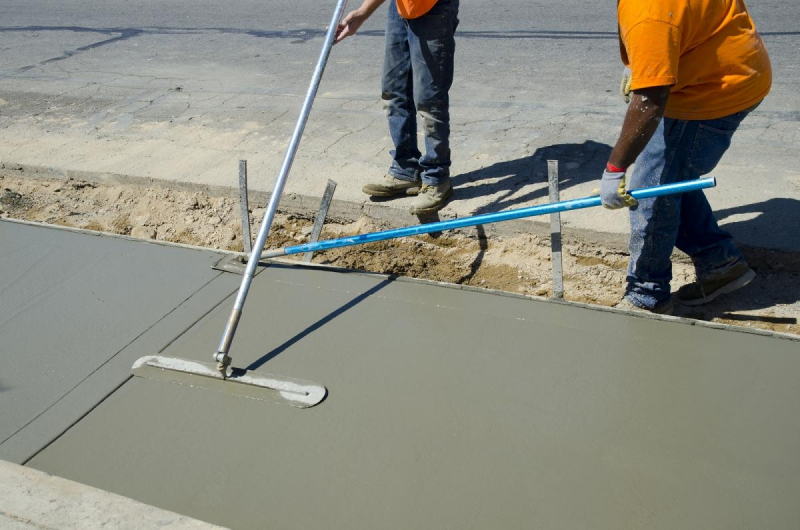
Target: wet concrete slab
75,310
451,408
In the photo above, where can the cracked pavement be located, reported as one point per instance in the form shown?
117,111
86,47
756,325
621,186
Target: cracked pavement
182,91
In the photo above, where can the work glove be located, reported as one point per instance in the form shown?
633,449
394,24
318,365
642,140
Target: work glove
625,85
612,191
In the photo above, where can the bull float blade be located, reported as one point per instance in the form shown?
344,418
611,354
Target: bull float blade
256,385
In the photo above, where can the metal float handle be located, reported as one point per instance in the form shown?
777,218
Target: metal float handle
227,337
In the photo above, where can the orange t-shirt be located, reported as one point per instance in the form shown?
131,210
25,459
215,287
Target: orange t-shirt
410,9
708,51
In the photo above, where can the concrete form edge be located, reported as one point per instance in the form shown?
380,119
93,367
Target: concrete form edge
296,263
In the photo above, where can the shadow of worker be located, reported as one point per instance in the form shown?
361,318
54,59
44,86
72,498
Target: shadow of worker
506,181
770,224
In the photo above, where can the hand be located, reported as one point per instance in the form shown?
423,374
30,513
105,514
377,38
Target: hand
625,85
349,25
612,191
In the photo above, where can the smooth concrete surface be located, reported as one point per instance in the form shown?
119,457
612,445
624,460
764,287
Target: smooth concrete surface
180,90
75,311
30,499
452,408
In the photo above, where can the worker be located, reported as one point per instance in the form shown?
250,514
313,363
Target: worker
696,69
417,74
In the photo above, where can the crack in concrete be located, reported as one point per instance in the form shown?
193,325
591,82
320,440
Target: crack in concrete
350,133
23,520
273,120
124,34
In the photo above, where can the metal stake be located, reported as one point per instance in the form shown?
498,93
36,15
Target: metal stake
221,356
248,240
327,197
555,232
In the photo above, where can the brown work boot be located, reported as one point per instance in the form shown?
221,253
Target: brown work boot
667,308
704,291
389,185
431,198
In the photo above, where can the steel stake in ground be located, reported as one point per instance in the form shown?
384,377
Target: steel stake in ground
319,221
555,232
245,207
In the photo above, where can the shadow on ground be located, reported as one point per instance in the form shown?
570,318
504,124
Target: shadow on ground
577,164
770,224
320,323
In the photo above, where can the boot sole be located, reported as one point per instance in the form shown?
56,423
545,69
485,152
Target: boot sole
729,287
381,193
436,208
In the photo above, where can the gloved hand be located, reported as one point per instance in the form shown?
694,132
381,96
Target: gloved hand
625,85
612,191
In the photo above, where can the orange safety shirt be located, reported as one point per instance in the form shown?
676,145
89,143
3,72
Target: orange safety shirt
409,9
708,51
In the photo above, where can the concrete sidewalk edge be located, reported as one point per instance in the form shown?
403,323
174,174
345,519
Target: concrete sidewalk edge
34,499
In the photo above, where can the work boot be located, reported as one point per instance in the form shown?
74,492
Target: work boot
666,308
390,185
704,291
431,198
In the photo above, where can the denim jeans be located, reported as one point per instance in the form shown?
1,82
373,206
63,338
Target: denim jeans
417,74
679,150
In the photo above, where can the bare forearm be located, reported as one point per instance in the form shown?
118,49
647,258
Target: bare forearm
644,114
353,20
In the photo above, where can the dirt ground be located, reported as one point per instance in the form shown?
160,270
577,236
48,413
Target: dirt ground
518,264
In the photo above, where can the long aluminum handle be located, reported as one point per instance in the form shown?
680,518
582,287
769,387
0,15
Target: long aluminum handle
519,213
272,207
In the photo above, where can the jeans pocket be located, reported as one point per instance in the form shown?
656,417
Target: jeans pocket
709,146
440,22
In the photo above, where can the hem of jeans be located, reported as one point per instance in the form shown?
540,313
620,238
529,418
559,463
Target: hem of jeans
438,181
640,304
405,178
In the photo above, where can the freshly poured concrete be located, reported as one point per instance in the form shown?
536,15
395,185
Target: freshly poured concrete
456,409
75,311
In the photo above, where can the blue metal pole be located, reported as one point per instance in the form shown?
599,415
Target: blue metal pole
575,204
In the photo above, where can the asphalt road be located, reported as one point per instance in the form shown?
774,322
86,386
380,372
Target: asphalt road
180,90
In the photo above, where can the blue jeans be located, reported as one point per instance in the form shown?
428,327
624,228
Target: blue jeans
417,74
679,150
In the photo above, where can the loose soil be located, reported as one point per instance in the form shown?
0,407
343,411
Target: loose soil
518,264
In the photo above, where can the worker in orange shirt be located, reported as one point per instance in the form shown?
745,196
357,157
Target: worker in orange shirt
417,74
697,68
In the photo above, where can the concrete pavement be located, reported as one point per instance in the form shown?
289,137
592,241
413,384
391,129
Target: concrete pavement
31,500
447,407
180,91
